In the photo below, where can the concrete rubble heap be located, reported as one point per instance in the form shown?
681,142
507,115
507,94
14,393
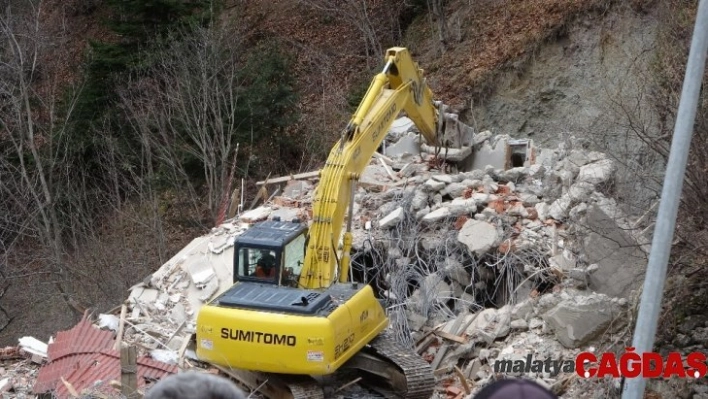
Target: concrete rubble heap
480,261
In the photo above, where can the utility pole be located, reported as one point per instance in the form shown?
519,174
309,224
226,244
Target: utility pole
652,293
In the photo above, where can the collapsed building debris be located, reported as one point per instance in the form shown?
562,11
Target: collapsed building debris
510,252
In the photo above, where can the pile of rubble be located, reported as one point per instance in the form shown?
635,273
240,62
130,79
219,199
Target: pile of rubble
514,254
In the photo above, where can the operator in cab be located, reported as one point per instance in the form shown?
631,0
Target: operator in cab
265,267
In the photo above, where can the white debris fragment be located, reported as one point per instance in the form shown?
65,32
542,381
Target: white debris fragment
437,215
201,273
34,346
165,356
108,321
5,384
256,215
391,219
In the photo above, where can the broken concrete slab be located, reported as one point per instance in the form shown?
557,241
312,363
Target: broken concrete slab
523,310
420,200
564,261
490,185
621,263
518,209
433,185
406,146
580,191
401,126
559,208
579,320
448,154
419,215
286,214
478,236
392,219
491,324
529,199
447,179
437,215
455,190
598,172
295,189
578,158
143,294
200,273
256,215
542,210
492,153
374,175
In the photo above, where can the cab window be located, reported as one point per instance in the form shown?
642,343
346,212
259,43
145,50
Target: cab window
294,258
258,263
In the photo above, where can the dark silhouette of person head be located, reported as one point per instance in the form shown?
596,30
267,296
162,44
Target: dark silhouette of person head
195,385
265,266
515,389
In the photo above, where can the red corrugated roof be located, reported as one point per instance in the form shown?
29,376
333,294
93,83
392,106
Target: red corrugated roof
84,357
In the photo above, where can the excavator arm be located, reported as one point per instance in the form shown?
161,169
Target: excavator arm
399,87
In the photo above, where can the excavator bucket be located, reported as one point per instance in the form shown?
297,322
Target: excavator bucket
455,134
455,140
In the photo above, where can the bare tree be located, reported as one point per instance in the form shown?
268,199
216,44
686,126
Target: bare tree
187,111
35,175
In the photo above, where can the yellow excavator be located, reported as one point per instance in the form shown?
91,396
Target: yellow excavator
293,312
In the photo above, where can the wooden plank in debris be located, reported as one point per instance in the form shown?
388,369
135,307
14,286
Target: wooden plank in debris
425,344
443,349
183,349
129,372
70,387
383,158
121,326
283,179
388,170
234,203
463,380
262,194
451,337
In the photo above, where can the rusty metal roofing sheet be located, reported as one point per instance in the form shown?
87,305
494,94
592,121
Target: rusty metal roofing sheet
85,358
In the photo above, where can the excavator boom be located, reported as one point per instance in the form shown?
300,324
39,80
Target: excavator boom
399,87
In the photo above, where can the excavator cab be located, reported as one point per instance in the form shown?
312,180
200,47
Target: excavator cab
270,252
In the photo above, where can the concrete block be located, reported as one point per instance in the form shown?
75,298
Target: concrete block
200,272
391,219
437,215
576,322
621,262
478,236
406,145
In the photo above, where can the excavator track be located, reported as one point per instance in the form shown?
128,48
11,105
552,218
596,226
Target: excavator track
418,381
274,386
305,388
